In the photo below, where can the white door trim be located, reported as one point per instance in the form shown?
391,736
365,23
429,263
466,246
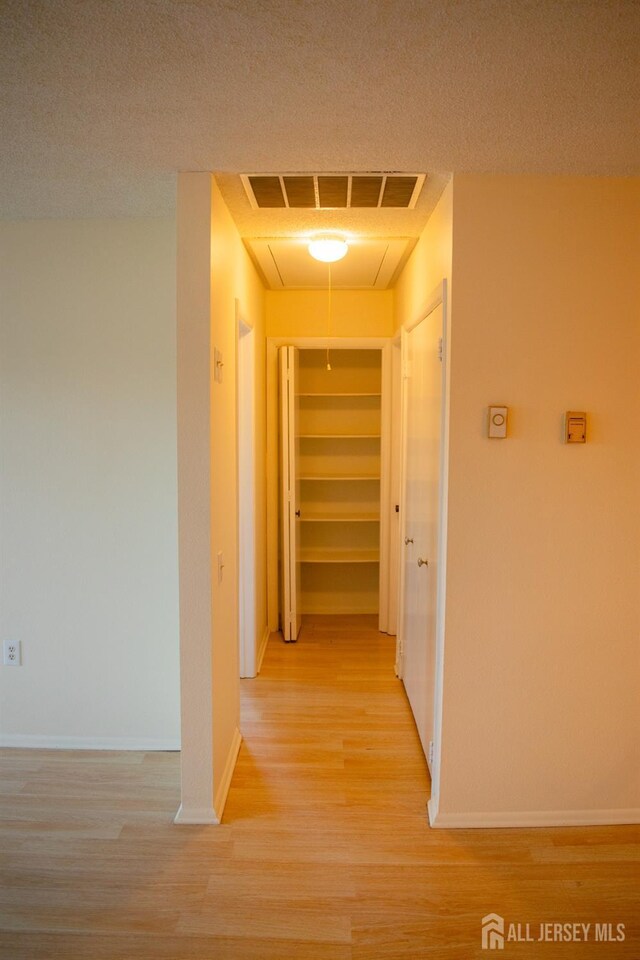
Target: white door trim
290,610
386,427
438,297
334,343
246,494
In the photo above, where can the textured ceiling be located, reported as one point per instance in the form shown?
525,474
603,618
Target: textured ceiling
102,101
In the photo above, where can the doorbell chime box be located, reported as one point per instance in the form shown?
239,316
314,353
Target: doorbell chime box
497,422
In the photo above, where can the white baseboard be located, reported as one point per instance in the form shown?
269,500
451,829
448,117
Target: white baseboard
263,648
223,789
196,816
532,818
26,741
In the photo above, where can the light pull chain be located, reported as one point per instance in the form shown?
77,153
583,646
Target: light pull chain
329,321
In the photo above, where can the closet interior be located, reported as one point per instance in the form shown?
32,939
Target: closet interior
337,473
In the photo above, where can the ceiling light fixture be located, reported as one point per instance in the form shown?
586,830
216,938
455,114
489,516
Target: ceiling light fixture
328,249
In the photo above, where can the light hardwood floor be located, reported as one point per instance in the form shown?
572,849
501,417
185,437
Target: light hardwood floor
325,852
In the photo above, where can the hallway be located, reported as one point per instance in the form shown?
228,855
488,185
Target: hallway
324,853
331,841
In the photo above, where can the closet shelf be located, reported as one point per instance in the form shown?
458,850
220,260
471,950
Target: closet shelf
336,461
339,436
337,476
340,517
339,394
317,555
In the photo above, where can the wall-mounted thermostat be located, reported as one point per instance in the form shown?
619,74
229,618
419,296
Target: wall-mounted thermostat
498,422
575,427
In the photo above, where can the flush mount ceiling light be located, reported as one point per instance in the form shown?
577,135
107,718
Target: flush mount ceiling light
328,249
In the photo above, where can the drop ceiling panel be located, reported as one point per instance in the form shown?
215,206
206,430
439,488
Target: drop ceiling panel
370,264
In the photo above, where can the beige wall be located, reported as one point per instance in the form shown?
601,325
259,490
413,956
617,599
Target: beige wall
194,203
305,313
232,277
428,265
214,272
419,284
541,706
88,511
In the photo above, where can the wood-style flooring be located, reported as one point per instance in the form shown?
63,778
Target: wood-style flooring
325,851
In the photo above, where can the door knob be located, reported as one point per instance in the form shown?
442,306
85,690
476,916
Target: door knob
422,563
297,513
407,541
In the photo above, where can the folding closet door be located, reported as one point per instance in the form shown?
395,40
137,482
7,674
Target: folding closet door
290,511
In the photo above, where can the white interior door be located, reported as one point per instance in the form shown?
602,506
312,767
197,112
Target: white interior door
422,362
290,434
246,501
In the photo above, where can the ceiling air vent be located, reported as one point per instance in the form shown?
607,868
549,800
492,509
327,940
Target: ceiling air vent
333,191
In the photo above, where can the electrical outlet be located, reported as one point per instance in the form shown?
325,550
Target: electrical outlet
11,653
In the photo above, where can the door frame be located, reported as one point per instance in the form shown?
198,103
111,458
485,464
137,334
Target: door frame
439,296
390,485
273,488
246,444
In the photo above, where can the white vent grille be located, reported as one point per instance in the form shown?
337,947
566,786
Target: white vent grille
333,191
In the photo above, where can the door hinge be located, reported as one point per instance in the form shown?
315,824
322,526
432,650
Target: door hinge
440,349
406,373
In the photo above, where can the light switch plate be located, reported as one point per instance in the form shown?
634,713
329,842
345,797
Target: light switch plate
498,422
575,427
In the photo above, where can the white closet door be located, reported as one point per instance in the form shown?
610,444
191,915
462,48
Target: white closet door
423,409
290,433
